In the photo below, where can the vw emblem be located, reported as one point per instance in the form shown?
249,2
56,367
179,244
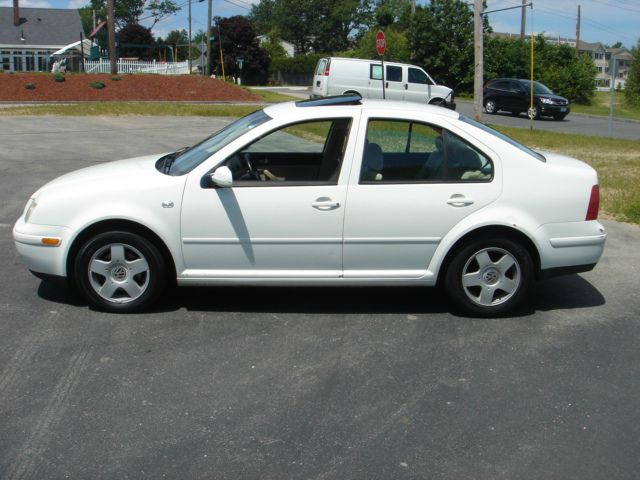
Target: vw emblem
119,273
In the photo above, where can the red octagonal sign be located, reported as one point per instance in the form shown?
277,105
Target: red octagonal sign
381,43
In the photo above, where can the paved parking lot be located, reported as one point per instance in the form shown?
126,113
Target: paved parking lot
313,383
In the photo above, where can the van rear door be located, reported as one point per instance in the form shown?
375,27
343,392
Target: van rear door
321,78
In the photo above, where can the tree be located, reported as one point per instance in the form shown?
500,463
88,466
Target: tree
313,25
179,41
632,87
555,65
133,40
131,11
441,35
238,39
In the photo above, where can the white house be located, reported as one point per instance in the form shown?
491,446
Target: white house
28,36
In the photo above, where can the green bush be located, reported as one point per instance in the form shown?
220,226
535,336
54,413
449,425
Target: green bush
97,85
116,79
58,77
297,64
30,86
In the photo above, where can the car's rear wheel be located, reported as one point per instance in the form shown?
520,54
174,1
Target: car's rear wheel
120,272
491,106
489,277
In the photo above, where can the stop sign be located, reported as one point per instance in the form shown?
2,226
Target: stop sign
381,43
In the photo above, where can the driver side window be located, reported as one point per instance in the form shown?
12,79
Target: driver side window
299,154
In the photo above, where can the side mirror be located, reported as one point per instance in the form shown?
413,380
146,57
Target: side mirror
222,177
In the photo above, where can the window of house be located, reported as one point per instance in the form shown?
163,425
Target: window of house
299,154
399,151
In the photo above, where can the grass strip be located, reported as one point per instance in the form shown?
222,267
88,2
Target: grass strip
133,109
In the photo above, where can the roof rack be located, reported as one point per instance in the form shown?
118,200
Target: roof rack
346,99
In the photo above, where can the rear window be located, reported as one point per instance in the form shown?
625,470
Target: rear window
321,65
502,136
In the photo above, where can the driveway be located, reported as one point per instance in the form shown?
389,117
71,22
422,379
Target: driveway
314,383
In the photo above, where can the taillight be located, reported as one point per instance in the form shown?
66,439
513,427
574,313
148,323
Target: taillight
326,68
594,203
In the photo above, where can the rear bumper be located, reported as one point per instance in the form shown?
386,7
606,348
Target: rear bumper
570,247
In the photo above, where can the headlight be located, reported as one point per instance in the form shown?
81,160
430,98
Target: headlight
546,100
31,206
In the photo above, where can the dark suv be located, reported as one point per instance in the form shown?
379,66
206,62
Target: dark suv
513,95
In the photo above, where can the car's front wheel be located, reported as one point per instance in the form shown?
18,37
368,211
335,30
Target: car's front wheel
534,112
120,271
489,277
491,106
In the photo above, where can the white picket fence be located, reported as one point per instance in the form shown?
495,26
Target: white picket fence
136,66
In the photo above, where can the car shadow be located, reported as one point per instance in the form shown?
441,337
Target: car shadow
569,292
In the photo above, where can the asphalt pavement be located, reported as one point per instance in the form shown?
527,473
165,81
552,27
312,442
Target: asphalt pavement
312,383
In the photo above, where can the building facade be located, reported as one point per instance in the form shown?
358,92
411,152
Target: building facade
28,36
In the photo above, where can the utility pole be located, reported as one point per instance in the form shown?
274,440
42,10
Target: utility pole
207,67
478,59
523,19
112,38
189,57
413,7
578,33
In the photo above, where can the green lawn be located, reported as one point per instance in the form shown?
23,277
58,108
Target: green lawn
600,106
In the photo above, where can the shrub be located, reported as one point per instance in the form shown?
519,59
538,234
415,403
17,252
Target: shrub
116,78
58,77
97,85
30,86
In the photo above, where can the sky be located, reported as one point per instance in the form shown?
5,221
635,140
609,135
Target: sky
606,21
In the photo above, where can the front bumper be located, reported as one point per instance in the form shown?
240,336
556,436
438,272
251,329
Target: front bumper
551,110
38,256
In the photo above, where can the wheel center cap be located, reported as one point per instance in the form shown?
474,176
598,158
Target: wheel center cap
491,276
119,273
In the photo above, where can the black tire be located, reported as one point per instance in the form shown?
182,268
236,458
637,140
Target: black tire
559,116
127,273
491,106
535,114
499,273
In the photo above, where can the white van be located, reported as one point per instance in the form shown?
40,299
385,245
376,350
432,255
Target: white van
336,76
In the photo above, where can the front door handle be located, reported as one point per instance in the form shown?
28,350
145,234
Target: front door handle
325,203
458,200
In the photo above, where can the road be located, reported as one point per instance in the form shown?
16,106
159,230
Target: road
574,123
314,383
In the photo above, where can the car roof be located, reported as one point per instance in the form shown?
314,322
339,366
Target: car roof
283,109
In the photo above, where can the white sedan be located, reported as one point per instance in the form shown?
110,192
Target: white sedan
336,191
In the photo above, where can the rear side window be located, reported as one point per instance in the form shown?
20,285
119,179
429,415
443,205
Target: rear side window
394,74
375,72
399,151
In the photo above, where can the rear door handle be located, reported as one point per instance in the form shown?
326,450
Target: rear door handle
458,200
325,203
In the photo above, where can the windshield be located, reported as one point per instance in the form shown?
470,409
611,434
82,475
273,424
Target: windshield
538,88
197,154
502,136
